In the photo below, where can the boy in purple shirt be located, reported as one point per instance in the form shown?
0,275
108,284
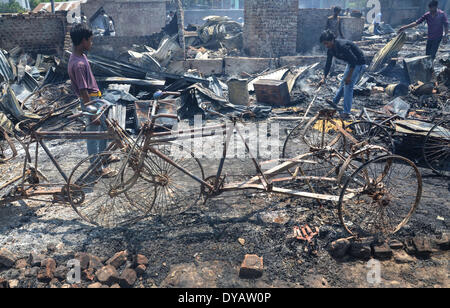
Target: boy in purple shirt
85,86
437,22
80,73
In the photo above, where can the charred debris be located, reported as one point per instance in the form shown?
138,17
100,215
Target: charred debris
35,85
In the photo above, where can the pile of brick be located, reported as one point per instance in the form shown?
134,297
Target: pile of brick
122,270
401,251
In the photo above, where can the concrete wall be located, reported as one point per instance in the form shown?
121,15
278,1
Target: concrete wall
400,16
270,27
40,33
131,17
234,66
195,17
352,28
206,67
401,12
311,23
301,60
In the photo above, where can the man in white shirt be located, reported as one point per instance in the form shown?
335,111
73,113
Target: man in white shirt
376,23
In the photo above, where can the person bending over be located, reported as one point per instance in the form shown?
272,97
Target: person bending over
356,65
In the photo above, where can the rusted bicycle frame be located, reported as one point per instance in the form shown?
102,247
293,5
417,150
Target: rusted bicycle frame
31,174
211,186
4,134
262,180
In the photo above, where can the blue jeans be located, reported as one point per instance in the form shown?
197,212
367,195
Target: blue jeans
95,146
347,89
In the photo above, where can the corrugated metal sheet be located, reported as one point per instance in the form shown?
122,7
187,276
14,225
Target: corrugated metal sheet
59,6
6,72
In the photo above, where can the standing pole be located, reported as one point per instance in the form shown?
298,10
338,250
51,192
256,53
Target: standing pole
180,15
53,6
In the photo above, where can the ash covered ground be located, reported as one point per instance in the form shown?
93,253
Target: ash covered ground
205,246
202,247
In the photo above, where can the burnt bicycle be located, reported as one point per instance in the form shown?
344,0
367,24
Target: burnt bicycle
375,192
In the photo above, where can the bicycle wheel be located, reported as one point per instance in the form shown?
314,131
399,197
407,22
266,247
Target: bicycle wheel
370,132
177,191
294,144
321,131
114,199
316,172
436,148
380,197
358,158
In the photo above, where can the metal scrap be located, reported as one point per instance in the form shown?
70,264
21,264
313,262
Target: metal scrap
168,49
238,91
144,60
414,127
298,73
10,105
419,68
6,72
387,52
221,31
148,83
398,107
6,123
277,74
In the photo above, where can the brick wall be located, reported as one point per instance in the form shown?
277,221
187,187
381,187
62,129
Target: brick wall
279,28
34,32
131,17
311,23
270,27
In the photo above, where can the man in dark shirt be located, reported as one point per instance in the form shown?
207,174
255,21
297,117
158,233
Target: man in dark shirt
356,64
334,23
437,22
